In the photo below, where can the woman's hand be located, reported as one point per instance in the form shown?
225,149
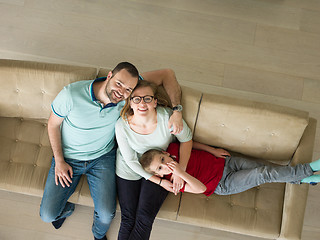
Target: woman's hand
62,171
167,185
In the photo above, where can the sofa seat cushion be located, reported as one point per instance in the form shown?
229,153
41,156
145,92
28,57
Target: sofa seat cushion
25,156
168,211
256,212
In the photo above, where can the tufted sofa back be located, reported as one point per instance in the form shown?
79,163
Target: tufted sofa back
255,129
28,88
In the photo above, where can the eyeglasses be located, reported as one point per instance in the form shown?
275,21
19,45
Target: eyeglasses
146,99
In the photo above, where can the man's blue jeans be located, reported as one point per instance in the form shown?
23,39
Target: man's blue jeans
100,174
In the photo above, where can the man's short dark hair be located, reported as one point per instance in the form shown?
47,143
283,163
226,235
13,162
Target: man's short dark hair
127,66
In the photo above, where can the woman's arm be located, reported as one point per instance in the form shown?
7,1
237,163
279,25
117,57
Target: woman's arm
166,184
218,152
184,154
128,154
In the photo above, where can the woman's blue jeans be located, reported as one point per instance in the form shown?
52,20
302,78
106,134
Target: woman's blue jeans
100,174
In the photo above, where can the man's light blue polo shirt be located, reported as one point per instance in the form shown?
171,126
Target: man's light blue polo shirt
88,129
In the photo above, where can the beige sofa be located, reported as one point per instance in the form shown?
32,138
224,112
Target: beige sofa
259,130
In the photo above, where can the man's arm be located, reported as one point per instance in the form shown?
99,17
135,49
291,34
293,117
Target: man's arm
62,169
167,78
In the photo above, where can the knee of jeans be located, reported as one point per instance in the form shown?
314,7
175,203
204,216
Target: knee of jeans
106,216
127,217
145,219
47,215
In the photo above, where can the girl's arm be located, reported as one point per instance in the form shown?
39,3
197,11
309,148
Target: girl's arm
218,152
192,185
184,156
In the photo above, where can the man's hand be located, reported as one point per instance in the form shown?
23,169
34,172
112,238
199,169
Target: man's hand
62,171
175,122
167,185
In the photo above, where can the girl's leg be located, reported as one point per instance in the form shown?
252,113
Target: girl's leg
315,165
128,195
238,176
151,198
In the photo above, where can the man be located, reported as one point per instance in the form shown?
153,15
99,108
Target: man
81,133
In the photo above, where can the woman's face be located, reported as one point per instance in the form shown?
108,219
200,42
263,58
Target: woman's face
142,101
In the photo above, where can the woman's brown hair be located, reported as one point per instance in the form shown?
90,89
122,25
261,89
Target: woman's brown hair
158,93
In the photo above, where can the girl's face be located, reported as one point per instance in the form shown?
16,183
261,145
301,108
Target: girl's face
159,164
142,101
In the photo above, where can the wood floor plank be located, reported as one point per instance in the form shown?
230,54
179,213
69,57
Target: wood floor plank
146,15
13,2
311,90
310,21
229,52
288,40
275,13
253,80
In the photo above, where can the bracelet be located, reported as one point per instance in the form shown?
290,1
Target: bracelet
160,181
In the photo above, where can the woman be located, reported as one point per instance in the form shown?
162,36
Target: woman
144,125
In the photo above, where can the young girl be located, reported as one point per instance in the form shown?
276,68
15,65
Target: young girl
207,173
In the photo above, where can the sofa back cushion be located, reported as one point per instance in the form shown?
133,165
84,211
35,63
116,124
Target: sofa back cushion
255,129
28,88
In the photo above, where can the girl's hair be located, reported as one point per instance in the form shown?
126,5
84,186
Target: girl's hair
147,158
158,93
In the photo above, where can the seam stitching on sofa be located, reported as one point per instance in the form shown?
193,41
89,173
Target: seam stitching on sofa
192,137
197,115
179,206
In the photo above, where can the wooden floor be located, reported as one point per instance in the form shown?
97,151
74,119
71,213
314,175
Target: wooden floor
266,50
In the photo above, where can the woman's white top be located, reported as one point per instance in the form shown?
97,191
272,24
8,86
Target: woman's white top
132,145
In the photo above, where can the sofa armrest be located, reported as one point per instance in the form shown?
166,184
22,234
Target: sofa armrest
295,198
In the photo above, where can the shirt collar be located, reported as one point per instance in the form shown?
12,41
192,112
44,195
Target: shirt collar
93,97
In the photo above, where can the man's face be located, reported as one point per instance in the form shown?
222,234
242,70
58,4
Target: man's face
120,85
159,164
